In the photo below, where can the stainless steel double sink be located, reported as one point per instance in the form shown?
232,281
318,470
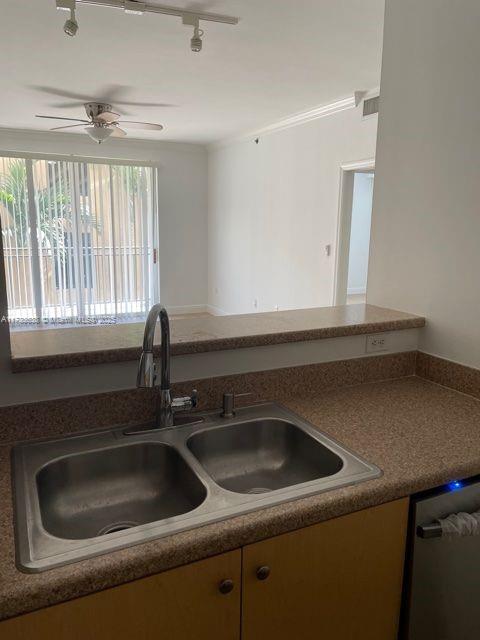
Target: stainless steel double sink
85,495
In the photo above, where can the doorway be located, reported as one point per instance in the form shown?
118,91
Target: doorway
353,245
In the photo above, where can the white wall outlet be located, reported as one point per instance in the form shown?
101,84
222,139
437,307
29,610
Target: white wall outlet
377,343
255,304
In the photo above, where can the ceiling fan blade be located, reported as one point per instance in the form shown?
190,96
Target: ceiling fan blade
60,93
144,104
150,126
68,126
61,118
108,94
68,105
118,133
108,117
112,94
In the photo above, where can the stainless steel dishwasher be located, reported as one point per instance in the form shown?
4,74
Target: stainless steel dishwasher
442,586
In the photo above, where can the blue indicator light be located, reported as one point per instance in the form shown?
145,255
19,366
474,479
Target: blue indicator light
456,484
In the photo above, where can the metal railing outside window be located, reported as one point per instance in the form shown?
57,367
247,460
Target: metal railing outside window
78,240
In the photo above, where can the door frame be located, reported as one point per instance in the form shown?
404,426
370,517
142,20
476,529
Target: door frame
344,224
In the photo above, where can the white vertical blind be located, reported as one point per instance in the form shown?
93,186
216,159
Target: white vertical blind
78,239
16,239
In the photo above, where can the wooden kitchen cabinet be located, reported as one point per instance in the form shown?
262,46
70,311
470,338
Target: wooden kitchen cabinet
181,604
339,579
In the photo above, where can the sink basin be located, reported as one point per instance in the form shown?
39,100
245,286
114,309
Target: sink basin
262,455
95,492
101,492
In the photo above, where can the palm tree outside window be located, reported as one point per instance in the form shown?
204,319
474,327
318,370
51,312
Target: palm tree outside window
78,240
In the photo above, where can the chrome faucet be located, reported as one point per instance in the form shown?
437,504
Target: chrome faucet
146,375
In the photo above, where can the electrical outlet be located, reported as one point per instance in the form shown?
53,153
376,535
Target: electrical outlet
377,343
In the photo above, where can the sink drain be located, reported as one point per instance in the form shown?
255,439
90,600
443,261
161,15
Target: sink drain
117,526
259,490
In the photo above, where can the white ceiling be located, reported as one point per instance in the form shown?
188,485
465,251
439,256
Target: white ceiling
285,56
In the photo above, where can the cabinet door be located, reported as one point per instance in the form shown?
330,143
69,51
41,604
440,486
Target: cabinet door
339,579
181,604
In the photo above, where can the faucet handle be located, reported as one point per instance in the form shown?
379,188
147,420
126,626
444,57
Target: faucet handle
185,403
194,398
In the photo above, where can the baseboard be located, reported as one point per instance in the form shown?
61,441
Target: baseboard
194,308
216,311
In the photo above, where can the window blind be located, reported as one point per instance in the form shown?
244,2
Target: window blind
78,240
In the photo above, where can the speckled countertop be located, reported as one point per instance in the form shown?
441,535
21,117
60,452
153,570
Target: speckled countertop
70,347
420,434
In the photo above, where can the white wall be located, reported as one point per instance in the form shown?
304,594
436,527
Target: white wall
273,207
182,189
425,247
360,233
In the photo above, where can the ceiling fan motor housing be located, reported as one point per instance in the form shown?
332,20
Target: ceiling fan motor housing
94,109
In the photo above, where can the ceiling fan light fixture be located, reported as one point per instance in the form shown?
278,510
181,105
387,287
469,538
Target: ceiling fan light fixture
102,122
99,134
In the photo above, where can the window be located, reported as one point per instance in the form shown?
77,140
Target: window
78,240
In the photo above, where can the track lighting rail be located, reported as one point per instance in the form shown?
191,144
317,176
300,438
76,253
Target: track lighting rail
131,6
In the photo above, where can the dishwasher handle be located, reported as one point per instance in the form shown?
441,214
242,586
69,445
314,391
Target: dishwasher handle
430,531
468,523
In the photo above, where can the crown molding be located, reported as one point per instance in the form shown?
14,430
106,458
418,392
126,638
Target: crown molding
316,113
291,121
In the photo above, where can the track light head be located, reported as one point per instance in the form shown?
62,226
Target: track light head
196,42
71,25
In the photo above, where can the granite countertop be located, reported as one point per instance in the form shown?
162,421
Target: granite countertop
420,434
70,347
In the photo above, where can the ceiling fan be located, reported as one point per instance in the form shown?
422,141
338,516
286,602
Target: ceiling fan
103,123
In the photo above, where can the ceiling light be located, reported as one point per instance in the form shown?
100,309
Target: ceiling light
196,42
134,8
99,133
71,25
66,5
141,7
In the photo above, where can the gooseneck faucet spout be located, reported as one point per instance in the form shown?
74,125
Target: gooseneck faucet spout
146,369
146,375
